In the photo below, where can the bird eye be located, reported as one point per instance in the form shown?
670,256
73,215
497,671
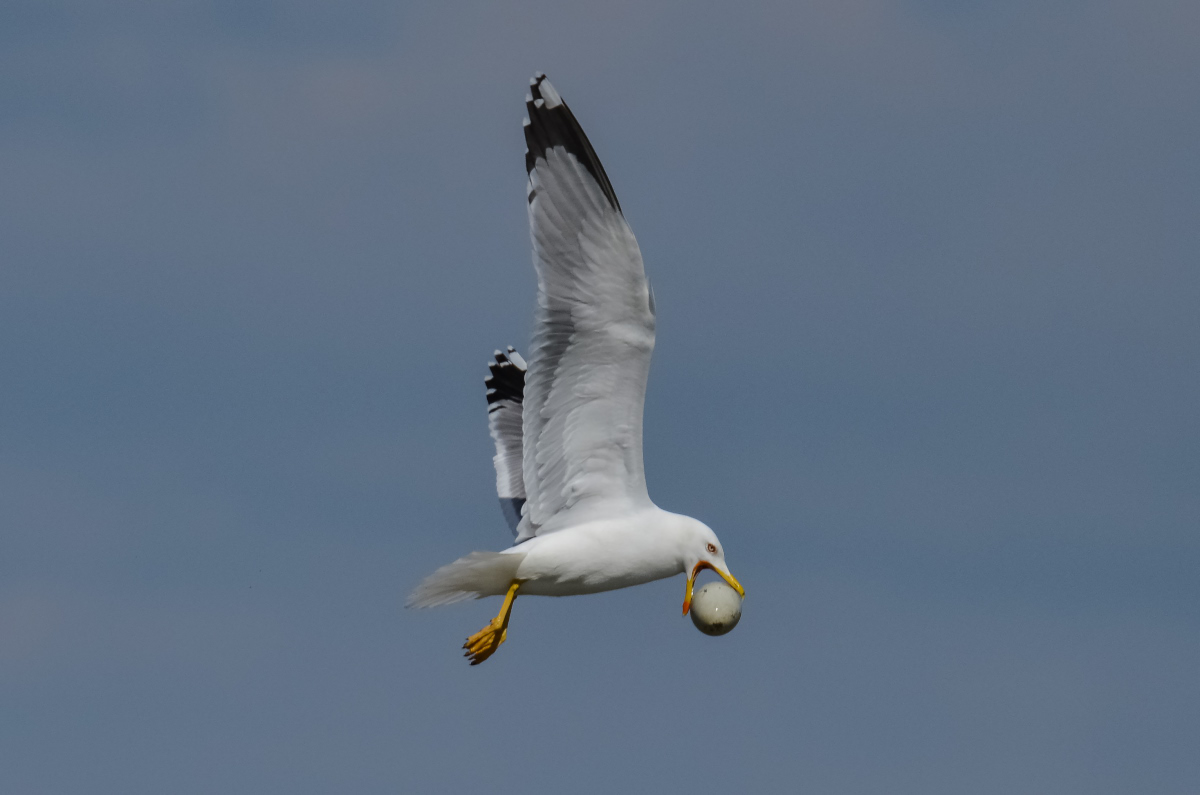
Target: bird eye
712,549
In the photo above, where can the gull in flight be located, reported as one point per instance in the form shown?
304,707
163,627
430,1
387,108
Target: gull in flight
568,426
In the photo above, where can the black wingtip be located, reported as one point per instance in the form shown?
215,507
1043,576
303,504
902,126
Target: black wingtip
551,124
506,378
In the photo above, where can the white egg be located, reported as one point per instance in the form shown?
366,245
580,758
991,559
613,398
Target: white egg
716,608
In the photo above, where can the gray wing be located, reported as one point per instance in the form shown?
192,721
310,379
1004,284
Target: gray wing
586,383
505,393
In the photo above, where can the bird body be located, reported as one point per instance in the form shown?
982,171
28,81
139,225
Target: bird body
607,554
596,556
568,426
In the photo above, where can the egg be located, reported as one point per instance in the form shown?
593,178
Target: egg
716,608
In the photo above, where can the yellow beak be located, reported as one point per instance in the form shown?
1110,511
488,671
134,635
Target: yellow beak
691,581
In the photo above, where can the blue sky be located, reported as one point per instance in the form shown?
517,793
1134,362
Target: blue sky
928,361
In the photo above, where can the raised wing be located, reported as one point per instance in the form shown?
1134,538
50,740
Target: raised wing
594,335
505,392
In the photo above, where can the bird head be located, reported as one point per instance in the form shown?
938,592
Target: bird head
704,551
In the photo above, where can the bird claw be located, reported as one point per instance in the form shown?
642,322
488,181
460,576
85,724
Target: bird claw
484,643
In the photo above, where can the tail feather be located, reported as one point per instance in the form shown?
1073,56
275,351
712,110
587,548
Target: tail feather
475,576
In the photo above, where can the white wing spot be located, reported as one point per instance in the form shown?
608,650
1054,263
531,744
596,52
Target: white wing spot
553,100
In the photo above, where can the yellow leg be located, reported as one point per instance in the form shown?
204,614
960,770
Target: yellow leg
484,643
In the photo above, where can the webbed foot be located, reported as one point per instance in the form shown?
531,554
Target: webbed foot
483,644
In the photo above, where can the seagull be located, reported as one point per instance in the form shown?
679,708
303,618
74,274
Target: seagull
568,424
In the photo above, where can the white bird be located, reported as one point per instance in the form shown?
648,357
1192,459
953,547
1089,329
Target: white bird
568,428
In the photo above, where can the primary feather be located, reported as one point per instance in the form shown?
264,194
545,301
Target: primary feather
505,393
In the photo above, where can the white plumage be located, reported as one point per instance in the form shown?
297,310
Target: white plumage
583,519
590,357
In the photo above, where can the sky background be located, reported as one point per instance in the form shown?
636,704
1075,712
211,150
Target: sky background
928,362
